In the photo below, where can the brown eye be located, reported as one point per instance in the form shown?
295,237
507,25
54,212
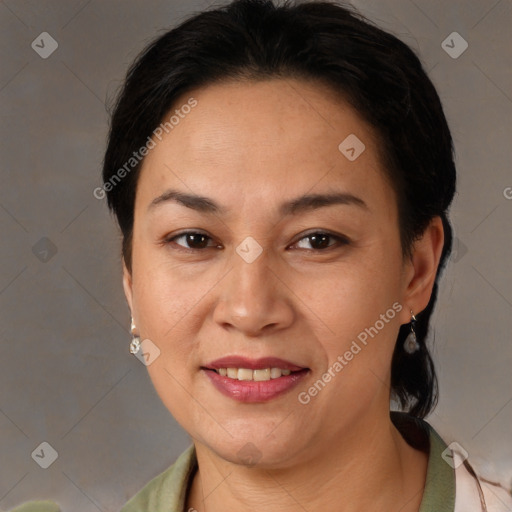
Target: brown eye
191,240
320,241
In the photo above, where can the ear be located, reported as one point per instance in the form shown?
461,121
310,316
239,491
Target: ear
421,269
127,285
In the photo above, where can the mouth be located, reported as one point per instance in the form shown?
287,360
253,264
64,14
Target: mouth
254,380
260,375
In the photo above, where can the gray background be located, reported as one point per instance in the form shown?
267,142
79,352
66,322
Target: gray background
66,376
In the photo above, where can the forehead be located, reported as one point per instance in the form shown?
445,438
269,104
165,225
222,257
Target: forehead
263,140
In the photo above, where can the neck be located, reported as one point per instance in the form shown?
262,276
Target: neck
373,468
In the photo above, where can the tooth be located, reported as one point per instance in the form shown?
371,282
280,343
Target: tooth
244,374
232,373
261,375
275,373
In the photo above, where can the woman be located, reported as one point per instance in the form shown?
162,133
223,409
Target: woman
282,176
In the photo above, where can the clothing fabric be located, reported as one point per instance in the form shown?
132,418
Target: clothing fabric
449,487
38,506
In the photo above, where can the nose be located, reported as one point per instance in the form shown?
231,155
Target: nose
254,299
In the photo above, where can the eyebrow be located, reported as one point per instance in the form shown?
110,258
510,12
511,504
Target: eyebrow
295,206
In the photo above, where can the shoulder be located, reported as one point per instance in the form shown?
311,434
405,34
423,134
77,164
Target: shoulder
452,483
497,498
167,491
472,490
37,506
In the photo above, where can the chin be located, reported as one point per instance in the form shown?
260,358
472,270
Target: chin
255,448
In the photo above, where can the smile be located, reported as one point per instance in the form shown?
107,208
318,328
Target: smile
261,375
253,380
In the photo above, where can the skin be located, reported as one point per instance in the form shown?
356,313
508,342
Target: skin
249,147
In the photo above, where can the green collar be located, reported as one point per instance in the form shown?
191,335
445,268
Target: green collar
168,491
439,493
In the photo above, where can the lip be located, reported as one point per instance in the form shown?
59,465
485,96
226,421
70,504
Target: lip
252,364
250,391
254,391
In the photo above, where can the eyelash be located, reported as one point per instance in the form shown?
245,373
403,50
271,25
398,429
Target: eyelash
341,240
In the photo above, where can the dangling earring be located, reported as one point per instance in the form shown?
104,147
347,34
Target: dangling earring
411,344
135,344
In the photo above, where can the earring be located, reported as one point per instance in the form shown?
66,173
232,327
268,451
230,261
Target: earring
135,344
411,344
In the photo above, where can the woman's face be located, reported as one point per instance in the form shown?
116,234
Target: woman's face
256,282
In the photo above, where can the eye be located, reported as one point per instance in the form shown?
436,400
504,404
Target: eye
319,241
196,241
191,240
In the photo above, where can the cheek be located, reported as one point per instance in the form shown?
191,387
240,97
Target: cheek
168,305
164,292
174,303
351,295
172,308
358,307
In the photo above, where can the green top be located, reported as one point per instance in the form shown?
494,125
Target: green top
168,491
38,506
